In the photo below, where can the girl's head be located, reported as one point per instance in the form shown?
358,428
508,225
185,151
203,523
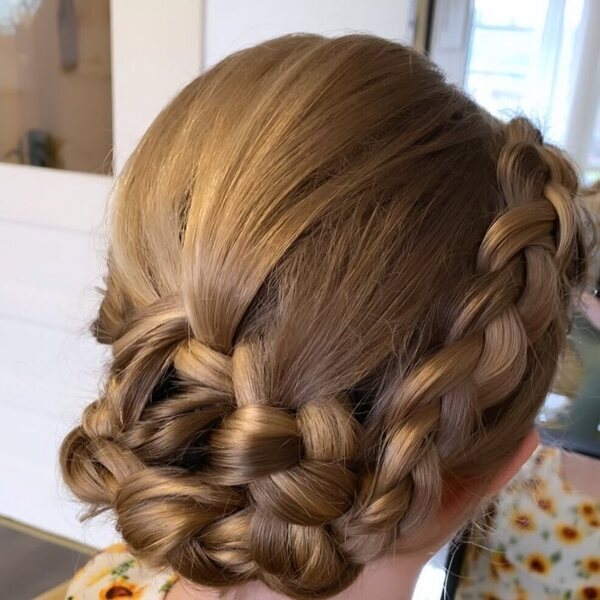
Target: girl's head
336,294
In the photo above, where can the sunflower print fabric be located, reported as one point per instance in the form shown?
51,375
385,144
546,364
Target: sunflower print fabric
115,574
543,544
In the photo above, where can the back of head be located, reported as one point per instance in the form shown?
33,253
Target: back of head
336,290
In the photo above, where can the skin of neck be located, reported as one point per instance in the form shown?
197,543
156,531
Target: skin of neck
389,578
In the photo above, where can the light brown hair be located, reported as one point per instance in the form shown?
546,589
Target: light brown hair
337,290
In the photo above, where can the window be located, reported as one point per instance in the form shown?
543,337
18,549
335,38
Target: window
539,58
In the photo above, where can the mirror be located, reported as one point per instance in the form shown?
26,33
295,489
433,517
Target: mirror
55,84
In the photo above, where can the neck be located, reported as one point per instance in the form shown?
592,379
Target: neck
392,578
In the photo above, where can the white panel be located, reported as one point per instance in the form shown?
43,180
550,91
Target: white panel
52,247
46,370
48,274
28,457
51,255
234,24
52,198
156,50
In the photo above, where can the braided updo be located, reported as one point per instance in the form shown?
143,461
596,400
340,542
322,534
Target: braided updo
336,287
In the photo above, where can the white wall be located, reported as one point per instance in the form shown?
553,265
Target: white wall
234,24
52,247
156,49
52,242
51,255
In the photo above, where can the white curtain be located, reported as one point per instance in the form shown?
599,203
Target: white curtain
566,91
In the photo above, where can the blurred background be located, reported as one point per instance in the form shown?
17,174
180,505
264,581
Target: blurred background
80,81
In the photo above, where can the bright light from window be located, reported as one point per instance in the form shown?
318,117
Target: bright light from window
521,59
13,11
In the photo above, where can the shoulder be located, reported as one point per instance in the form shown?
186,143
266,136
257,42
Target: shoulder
115,573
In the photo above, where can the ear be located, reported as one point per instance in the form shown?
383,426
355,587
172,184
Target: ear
517,459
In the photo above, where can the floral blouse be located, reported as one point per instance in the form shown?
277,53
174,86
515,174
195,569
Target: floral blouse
114,573
544,543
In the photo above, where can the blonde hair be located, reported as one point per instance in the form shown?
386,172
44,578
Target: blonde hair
336,289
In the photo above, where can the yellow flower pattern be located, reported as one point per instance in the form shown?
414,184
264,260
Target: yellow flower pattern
522,521
546,504
568,534
543,543
538,563
591,564
121,588
115,574
588,592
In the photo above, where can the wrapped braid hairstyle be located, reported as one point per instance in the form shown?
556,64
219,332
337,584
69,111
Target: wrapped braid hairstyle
336,289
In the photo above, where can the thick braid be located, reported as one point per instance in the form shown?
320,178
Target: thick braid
297,469
526,266
301,482
138,464
201,453
329,298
